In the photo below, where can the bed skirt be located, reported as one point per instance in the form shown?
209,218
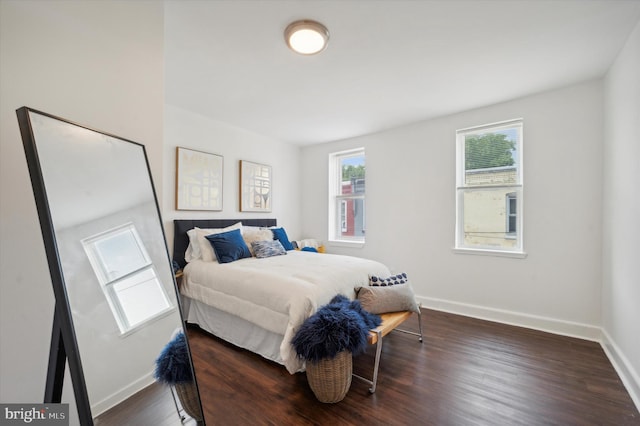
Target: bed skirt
233,329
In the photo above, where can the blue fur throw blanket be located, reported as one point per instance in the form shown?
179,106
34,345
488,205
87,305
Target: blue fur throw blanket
341,325
173,365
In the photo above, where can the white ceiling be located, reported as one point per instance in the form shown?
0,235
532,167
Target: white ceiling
388,63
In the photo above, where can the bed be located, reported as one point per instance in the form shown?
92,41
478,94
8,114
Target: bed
259,303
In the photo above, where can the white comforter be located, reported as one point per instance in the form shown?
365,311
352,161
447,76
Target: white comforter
278,293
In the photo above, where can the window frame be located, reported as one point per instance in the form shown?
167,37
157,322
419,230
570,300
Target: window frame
511,196
517,189
110,283
343,215
337,200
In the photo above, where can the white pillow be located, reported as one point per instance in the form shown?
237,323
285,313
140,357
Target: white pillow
309,242
251,234
193,249
206,250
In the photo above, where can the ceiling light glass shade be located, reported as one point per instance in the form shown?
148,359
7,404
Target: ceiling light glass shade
306,37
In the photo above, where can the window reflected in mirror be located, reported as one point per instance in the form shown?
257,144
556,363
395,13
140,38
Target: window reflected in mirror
127,276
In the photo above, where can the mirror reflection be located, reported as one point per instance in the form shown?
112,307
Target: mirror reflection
117,276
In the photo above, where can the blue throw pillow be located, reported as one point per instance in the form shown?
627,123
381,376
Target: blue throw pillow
281,235
229,246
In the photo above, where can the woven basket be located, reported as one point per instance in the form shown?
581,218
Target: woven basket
188,395
330,378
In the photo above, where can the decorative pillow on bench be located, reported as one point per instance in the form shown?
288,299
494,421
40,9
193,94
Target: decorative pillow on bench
394,295
392,280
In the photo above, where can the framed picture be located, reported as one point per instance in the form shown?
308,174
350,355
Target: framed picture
255,187
198,180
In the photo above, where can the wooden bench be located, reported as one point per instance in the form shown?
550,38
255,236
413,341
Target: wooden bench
390,322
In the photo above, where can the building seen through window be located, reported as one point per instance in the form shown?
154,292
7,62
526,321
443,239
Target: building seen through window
489,176
347,196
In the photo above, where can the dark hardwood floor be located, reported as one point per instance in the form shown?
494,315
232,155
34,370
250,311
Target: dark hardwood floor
154,405
467,372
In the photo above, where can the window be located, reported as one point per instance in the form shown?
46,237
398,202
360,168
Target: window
343,215
489,188
127,276
512,214
346,196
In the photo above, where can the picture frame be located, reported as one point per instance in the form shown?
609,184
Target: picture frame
199,178
256,189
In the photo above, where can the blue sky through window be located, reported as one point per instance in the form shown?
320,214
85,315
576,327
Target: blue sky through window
512,135
353,161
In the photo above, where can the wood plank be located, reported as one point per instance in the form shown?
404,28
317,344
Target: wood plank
390,321
153,405
466,372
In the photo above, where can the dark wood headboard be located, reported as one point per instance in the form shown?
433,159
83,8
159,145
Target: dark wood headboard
181,226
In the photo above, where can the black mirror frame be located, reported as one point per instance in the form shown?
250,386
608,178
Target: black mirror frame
64,345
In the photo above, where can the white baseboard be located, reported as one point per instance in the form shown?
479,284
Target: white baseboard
122,394
550,325
623,367
621,364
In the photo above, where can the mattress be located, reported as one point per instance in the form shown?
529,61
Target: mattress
275,294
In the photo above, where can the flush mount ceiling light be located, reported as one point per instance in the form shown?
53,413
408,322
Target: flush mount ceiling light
306,37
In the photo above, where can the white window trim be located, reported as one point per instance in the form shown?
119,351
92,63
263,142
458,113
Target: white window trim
335,198
459,247
489,252
107,283
346,244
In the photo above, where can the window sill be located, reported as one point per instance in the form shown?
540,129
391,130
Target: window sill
489,252
350,244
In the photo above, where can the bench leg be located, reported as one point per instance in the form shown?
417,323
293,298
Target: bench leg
413,332
376,364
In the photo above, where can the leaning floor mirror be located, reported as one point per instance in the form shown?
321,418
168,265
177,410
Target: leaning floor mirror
117,318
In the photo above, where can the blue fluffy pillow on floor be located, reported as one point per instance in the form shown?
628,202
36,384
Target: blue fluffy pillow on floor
173,365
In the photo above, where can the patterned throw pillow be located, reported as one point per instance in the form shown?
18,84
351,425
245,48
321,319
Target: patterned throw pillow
270,248
392,280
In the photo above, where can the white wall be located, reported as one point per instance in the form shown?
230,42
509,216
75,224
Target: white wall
100,64
411,212
96,63
621,269
188,130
